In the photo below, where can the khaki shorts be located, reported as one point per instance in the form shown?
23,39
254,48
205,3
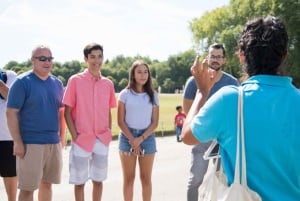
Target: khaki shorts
42,162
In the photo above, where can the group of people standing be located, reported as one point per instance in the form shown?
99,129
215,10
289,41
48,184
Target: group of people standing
30,141
31,103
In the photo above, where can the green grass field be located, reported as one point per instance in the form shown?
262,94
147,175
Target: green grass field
168,103
167,111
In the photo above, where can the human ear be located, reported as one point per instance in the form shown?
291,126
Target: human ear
242,57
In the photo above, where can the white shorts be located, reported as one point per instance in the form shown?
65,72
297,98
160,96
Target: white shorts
85,165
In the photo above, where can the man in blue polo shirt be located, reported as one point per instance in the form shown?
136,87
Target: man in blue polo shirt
215,59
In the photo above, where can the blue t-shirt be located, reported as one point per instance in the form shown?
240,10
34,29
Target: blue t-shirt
191,87
190,93
38,102
272,134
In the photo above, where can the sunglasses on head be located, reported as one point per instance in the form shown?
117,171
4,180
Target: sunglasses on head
44,58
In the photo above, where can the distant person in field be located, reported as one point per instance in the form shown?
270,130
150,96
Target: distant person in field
178,121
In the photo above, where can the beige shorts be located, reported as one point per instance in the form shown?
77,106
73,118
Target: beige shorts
42,162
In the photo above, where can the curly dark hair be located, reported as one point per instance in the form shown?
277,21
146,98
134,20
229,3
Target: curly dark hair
148,87
264,43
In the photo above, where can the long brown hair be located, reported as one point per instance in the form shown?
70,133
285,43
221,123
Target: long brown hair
148,87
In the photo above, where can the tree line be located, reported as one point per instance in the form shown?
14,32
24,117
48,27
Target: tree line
168,75
221,25
224,25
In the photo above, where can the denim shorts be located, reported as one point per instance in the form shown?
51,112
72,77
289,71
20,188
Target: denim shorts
148,145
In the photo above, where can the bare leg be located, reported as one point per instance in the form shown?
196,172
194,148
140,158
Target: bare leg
10,184
128,166
45,191
25,195
79,192
97,191
146,165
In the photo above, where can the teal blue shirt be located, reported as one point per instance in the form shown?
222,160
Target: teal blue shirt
272,134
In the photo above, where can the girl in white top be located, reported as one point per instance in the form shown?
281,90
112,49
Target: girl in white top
138,111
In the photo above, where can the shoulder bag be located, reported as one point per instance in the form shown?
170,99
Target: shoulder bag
214,186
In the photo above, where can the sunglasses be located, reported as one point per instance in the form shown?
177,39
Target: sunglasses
44,58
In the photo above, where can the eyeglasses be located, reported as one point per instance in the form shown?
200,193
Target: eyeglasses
215,57
44,58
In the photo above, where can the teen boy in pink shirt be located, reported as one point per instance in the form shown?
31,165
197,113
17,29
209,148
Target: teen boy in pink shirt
88,100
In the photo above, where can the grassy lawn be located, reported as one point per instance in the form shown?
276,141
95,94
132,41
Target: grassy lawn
167,111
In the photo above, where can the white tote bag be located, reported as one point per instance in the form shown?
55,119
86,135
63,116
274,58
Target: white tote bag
214,186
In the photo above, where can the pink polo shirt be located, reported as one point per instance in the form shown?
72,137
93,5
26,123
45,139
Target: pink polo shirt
91,101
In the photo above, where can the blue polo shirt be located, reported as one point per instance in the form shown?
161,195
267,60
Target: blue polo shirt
272,133
38,102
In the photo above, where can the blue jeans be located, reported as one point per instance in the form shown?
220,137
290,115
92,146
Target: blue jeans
148,145
178,132
197,170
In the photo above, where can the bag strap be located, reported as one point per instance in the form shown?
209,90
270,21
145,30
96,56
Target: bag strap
208,153
240,144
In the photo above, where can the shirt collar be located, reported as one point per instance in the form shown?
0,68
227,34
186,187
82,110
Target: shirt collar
87,74
272,80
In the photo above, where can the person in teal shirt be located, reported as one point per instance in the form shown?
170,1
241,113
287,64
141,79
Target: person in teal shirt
271,115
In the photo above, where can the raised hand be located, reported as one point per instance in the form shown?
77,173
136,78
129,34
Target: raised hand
205,77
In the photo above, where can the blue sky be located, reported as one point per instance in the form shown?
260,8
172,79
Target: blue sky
154,28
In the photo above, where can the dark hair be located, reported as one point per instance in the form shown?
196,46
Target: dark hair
148,87
90,47
264,43
178,107
218,46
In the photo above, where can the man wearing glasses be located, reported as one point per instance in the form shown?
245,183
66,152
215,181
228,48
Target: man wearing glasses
32,113
215,60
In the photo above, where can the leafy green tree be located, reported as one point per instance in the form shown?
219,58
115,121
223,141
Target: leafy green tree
224,24
18,67
66,70
155,84
180,67
162,72
123,83
112,79
168,86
